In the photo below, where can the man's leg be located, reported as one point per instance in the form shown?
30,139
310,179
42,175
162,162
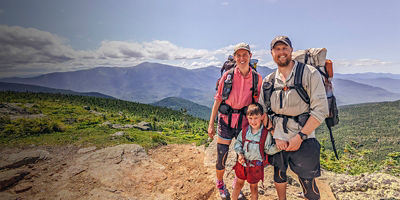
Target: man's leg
280,181
310,188
305,162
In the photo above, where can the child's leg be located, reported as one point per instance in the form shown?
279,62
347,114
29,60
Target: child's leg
238,187
254,191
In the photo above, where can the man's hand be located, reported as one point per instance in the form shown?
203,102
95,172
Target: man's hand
294,143
241,159
211,131
281,144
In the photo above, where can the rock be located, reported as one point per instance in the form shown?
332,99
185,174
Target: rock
96,113
117,126
11,177
118,134
69,120
23,158
107,123
22,187
129,126
85,150
7,196
370,186
144,126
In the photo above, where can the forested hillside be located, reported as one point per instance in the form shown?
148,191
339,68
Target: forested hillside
367,138
50,119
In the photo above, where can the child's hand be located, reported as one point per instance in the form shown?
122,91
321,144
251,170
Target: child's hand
241,159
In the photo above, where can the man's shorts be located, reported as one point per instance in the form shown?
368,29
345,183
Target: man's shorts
305,162
251,174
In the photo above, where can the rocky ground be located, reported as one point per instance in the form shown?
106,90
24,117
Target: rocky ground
127,172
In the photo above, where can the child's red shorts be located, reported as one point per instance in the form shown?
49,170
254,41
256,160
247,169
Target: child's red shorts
251,174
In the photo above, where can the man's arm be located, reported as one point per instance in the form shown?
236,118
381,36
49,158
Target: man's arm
318,109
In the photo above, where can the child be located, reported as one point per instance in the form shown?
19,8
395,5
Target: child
251,155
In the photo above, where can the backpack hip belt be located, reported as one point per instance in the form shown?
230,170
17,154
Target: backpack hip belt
226,109
253,163
300,119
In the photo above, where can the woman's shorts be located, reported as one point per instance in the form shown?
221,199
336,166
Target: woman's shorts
226,133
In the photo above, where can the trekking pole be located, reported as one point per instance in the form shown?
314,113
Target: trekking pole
333,142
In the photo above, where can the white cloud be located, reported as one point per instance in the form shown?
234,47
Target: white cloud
225,3
160,50
28,51
364,65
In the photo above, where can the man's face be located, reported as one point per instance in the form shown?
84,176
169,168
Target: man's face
282,54
242,57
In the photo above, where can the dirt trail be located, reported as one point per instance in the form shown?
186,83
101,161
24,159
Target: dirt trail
128,173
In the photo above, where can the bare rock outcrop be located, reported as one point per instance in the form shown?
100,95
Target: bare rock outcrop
365,186
16,160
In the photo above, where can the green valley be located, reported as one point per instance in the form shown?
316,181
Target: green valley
56,119
367,138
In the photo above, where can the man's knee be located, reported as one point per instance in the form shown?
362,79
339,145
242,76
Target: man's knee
222,154
279,176
310,188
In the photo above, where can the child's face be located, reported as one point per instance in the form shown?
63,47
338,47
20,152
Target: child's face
255,121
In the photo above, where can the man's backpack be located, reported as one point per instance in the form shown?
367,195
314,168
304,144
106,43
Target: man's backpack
315,57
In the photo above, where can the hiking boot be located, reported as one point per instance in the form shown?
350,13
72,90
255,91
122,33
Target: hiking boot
223,192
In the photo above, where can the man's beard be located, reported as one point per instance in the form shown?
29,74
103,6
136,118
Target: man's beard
283,63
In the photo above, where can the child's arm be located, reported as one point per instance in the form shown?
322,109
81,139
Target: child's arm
238,147
241,159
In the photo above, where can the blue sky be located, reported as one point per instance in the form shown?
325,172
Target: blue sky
45,36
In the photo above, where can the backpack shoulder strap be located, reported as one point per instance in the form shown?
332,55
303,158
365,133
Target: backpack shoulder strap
268,87
228,84
254,90
263,138
244,131
298,82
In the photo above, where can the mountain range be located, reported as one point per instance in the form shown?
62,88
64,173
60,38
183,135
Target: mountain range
152,82
17,87
184,105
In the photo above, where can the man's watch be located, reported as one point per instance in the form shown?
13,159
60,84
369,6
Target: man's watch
302,135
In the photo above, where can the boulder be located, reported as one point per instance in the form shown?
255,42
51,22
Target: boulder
86,150
118,134
366,186
11,177
16,160
144,126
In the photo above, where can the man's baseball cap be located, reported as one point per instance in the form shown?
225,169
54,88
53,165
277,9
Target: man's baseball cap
241,45
283,39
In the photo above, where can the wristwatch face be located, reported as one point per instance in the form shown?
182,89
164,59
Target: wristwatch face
302,136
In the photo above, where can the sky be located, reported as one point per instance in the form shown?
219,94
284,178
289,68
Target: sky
43,36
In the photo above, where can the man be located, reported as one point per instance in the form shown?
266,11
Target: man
294,120
235,92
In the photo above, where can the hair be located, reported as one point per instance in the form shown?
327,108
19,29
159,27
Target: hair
254,109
